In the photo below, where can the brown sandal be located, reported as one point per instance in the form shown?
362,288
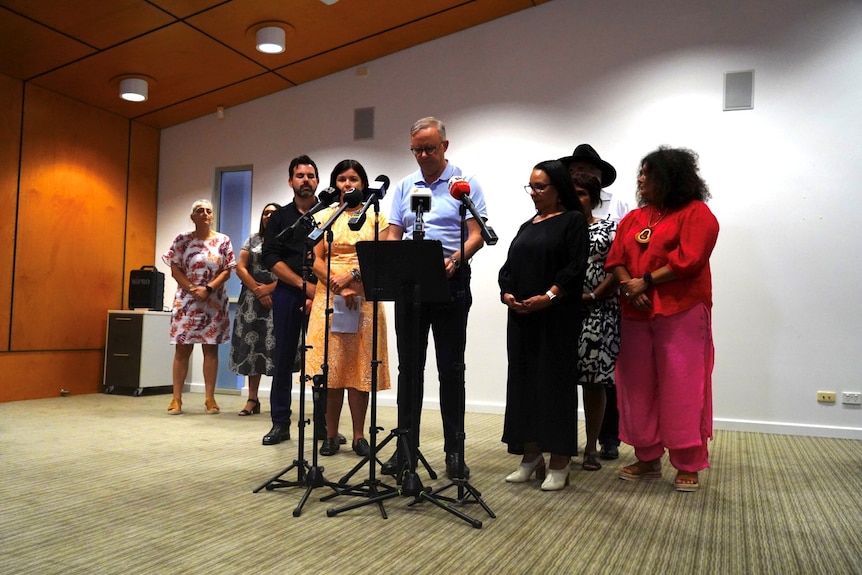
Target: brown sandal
642,470
686,481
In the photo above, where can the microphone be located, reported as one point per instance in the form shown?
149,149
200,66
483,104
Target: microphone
375,192
324,200
352,199
420,203
459,188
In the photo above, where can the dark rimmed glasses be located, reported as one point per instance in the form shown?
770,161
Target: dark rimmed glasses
427,150
537,187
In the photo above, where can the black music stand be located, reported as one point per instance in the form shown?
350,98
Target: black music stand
412,272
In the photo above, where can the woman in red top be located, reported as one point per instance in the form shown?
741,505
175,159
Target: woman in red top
664,369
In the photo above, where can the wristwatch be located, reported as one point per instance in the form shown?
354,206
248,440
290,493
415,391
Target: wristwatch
551,295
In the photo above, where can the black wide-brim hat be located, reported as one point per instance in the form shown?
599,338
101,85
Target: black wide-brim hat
586,153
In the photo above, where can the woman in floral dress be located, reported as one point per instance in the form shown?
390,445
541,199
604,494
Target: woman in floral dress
200,262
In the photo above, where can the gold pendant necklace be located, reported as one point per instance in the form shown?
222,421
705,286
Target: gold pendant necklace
643,236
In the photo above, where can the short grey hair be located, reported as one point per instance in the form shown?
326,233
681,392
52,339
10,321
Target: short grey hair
429,122
201,203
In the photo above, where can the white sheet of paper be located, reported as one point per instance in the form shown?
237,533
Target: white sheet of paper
344,319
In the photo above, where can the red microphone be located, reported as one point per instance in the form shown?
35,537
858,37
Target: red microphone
459,188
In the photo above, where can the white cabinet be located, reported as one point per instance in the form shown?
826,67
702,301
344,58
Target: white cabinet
138,353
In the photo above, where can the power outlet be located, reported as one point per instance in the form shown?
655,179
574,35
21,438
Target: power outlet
851,398
826,397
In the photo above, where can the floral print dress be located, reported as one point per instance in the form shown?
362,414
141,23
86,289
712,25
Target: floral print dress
206,321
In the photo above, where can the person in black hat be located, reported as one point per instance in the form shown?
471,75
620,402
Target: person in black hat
585,160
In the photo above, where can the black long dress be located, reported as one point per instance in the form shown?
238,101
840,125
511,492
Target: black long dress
542,388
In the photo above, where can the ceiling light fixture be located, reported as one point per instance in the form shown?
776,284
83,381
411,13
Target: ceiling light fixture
134,89
270,40
329,2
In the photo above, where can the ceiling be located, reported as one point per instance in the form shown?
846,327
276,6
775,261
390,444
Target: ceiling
200,54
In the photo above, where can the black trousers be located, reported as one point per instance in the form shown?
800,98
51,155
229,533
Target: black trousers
287,318
448,324
609,434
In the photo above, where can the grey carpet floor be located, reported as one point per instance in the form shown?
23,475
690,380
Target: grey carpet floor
112,485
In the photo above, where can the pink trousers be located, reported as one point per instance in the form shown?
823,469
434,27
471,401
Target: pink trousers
664,387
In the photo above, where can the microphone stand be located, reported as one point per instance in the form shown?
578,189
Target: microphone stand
466,492
370,487
310,477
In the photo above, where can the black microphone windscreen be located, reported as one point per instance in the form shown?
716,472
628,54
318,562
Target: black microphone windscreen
328,195
353,198
379,186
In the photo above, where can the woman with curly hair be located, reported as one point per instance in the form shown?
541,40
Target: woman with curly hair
664,368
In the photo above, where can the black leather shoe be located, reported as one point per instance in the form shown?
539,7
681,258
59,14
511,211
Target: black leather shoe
391,466
452,461
361,447
330,446
609,452
277,434
320,435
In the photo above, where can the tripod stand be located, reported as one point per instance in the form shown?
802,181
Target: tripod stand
371,487
466,492
412,272
310,477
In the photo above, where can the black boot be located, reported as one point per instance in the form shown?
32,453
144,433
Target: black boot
278,433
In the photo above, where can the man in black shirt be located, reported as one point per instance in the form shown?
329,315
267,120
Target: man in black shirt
283,255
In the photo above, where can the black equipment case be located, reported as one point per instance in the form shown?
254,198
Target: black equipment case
146,288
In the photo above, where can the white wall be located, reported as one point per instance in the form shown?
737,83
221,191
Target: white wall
533,85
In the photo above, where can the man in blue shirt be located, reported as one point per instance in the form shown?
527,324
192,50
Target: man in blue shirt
442,222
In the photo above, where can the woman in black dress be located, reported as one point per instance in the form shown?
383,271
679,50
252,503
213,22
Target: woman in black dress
541,284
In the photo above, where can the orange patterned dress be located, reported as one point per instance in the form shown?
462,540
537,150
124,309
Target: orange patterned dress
349,353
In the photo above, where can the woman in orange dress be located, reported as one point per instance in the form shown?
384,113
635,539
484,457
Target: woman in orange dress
349,360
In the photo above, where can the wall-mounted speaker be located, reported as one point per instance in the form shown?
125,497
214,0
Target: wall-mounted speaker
363,124
739,90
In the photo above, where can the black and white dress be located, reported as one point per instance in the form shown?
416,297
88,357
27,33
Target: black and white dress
599,343
252,341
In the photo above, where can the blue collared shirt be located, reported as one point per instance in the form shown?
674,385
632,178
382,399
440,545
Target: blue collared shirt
443,222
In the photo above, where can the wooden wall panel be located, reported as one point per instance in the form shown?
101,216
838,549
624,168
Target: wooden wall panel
10,141
34,375
71,223
143,199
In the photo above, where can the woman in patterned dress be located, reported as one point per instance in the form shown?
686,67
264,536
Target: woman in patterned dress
600,334
200,264
349,357
252,342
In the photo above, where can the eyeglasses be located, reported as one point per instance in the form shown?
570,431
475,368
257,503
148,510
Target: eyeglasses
538,188
427,150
